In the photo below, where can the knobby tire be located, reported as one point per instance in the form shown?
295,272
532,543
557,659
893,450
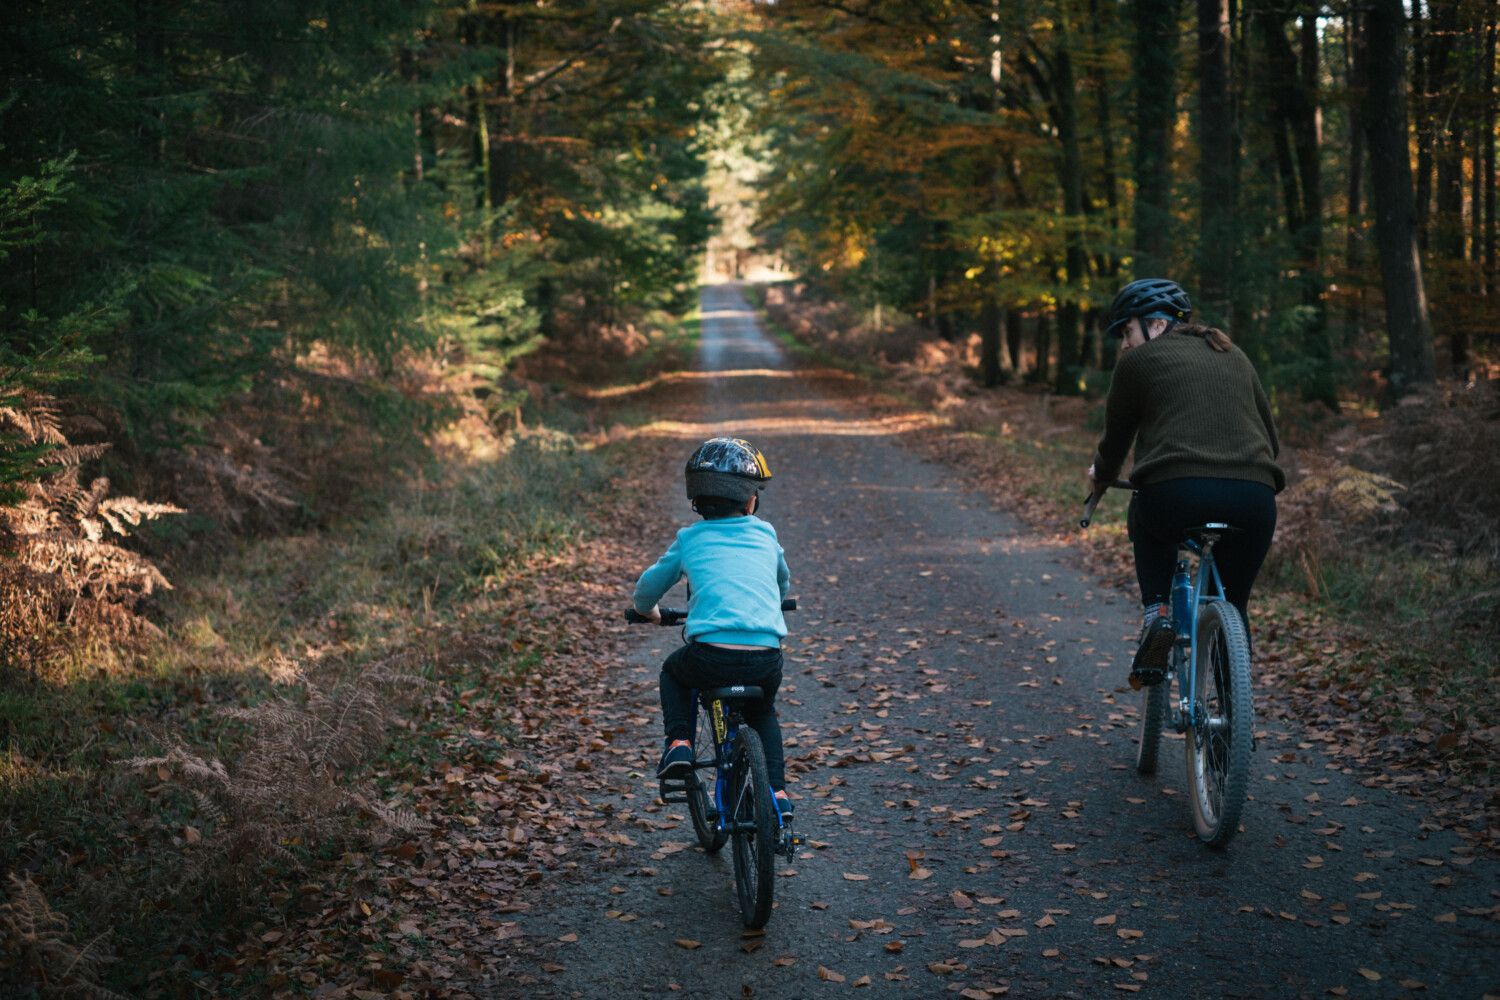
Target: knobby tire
1154,700
1218,750
702,783
754,824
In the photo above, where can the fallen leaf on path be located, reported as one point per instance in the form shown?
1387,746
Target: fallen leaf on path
919,874
568,938
1446,918
960,900
828,975
851,877
784,960
1049,952
1104,921
688,943
1369,974
861,981
1127,934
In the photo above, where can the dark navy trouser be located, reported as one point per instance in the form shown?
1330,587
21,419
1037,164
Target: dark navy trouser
699,666
1161,513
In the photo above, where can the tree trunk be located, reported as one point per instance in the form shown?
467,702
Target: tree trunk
1354,246
1320,386
1064,90
1043,363
989,344
1446,230
480,136
502,180
1408,327
1420,92
1154,69
1109,266
1488,158
1216,162
1292,85
1013,339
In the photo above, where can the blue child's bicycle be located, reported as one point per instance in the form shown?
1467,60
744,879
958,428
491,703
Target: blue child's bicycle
1214,707
729,758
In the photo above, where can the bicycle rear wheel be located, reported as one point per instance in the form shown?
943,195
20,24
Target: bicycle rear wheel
1218,747
753,820
705,779
1154,701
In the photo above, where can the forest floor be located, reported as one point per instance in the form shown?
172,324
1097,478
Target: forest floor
961,744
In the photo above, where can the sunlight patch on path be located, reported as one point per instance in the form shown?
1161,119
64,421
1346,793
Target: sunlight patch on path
904,423
671,377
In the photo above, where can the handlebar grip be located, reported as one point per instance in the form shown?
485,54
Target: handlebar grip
634,617
1090,502
673,616
790,604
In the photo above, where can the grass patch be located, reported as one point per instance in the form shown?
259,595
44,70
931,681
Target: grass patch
433,583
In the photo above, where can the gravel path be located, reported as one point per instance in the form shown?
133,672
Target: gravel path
955,709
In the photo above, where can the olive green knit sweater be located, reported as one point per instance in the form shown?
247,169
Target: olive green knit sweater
1192,411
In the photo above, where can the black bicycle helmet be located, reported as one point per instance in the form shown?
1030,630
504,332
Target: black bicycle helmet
1148,298
726,467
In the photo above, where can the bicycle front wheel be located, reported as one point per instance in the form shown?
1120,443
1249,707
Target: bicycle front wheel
1219,744
753,826
702,805
1154,700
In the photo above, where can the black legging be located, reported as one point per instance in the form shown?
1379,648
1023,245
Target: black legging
1161,513
700,666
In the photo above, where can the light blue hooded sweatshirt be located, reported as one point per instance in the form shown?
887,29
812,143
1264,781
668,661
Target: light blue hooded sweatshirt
737,578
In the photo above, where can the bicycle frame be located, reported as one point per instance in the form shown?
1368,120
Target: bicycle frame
1185,716
726,727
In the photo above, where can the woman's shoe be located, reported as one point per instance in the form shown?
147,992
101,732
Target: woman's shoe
1154,653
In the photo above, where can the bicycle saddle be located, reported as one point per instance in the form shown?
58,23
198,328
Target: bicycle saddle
1211,528
739,692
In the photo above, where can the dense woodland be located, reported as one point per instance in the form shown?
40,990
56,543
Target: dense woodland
1316,174
259,260
219,214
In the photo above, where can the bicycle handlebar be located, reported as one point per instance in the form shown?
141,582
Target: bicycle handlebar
676,616
1092,500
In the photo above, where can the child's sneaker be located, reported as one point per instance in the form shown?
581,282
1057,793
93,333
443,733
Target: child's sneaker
1151,658
676,760
784,803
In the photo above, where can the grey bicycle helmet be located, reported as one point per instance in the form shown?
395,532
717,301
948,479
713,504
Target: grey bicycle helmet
726,467
1148,298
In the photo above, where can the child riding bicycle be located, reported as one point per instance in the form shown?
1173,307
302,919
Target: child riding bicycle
737,577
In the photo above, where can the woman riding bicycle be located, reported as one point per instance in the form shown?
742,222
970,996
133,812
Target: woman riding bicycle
1205,450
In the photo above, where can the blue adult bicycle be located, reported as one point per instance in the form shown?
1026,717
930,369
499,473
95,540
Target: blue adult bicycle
729,759
1209,670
